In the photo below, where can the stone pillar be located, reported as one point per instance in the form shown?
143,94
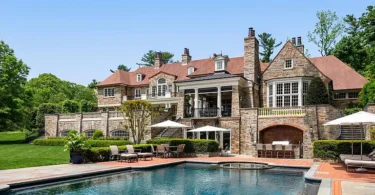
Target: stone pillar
51,122
370,108
235,102
219,101
185,132
196,111
180,104
104,123
251,57
221,139
79,122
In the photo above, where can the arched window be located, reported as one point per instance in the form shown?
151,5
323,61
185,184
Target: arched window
162,87
120,133
89,133
65,132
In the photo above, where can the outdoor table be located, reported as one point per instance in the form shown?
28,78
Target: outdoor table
169,148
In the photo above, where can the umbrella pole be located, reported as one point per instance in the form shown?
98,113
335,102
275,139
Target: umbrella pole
352,139
361,140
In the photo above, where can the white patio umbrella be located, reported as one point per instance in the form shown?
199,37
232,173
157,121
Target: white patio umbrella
359,118
208,128
169,124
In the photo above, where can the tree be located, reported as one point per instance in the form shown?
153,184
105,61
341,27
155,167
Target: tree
93,84
327,30
86,106
121,67
46,108
148,58
367,94
268,44
317,92
139,113
69,106
13,96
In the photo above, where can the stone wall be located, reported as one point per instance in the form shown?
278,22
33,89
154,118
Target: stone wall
51,125
117,99
180,104
235,101
370,108
248,135
251,59
153,81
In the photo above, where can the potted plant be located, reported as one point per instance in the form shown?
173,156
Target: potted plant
75,144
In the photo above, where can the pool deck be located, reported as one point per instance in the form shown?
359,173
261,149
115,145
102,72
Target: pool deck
333,174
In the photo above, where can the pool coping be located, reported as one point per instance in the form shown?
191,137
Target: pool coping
38,181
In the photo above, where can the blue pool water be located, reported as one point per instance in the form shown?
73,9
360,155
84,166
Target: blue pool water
186,179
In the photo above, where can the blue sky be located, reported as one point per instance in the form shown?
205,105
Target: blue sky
81,40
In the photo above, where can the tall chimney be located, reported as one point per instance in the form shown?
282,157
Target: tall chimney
186,58
294,41
158,60
251,57
300,47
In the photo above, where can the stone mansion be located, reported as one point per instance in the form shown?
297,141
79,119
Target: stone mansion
259,102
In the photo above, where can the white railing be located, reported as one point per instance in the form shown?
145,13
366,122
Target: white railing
115,114
282,111
67,116
92,115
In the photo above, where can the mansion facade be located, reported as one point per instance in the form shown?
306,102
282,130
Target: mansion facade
259,102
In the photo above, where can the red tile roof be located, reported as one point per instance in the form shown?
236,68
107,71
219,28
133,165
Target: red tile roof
330,66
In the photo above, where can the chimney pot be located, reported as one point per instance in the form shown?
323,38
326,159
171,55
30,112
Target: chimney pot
299,41
294,41
186,51
250,30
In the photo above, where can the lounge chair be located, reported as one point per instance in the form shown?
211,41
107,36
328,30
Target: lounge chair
129,155
153,150
144,155
359,163
160,149
180,150
115,154
344,157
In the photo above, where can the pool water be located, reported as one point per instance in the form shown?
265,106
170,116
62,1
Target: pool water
186,179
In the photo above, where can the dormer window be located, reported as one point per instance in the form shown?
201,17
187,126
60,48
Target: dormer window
219,65
139,77
288,64
190,70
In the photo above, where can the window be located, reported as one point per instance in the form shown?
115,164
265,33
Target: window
139,77
65,133
89,133
137,93
270,95
170,88
288,64
190,70
109,92
340,95
153,91
353,95
219,65
120,133
286,94
162,87
305,86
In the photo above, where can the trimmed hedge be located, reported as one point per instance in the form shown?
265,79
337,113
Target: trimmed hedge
328,149
191,145
93,143
101,154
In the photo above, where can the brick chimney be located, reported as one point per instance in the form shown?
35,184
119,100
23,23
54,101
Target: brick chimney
251,57
294,41
186,58
158,60
300,46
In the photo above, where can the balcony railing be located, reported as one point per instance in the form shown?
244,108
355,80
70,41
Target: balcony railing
282,111
150,96
201,112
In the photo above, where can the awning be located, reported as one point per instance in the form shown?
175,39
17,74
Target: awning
208,128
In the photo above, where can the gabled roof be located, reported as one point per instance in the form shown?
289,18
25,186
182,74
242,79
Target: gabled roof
210,77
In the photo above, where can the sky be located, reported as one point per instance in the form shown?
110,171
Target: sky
82,40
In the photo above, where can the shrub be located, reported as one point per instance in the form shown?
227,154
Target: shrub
86,106
69,106
100,154
72,132
76,143
317,92
372,133
93,143
333,148
191,145
367,94
97,134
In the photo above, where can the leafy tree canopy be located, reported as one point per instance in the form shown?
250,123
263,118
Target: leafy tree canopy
268,44
148,58
367,94
121,67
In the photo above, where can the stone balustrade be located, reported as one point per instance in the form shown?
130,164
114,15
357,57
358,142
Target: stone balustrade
281,111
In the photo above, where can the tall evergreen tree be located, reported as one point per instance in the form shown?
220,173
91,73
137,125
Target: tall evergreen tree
148,58
268,45
317,92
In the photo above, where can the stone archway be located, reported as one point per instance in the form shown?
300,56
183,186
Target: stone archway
281,133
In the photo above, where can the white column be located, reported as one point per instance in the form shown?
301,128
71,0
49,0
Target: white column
299,93
219,101
207,135
274,94
221,139
196,102
185,132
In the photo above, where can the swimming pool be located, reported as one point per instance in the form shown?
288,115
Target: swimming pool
186,178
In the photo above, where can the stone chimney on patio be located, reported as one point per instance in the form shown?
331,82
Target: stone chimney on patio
251,57
158,60
186,58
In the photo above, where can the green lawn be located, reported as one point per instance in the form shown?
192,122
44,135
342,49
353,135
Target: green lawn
12,137
14,156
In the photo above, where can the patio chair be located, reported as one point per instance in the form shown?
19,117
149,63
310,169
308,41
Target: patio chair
269,149
260,149
160,149
114,153
139,152
180,150
224,152
153,150
278,148
289,150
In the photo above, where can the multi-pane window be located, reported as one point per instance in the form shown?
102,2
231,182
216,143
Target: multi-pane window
288,63
170,88
353,95
109,92
190,70
120,133
139,77
219,65
89,133
340,95
286,94
137,93
305,86
162,87
270,95
153,91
